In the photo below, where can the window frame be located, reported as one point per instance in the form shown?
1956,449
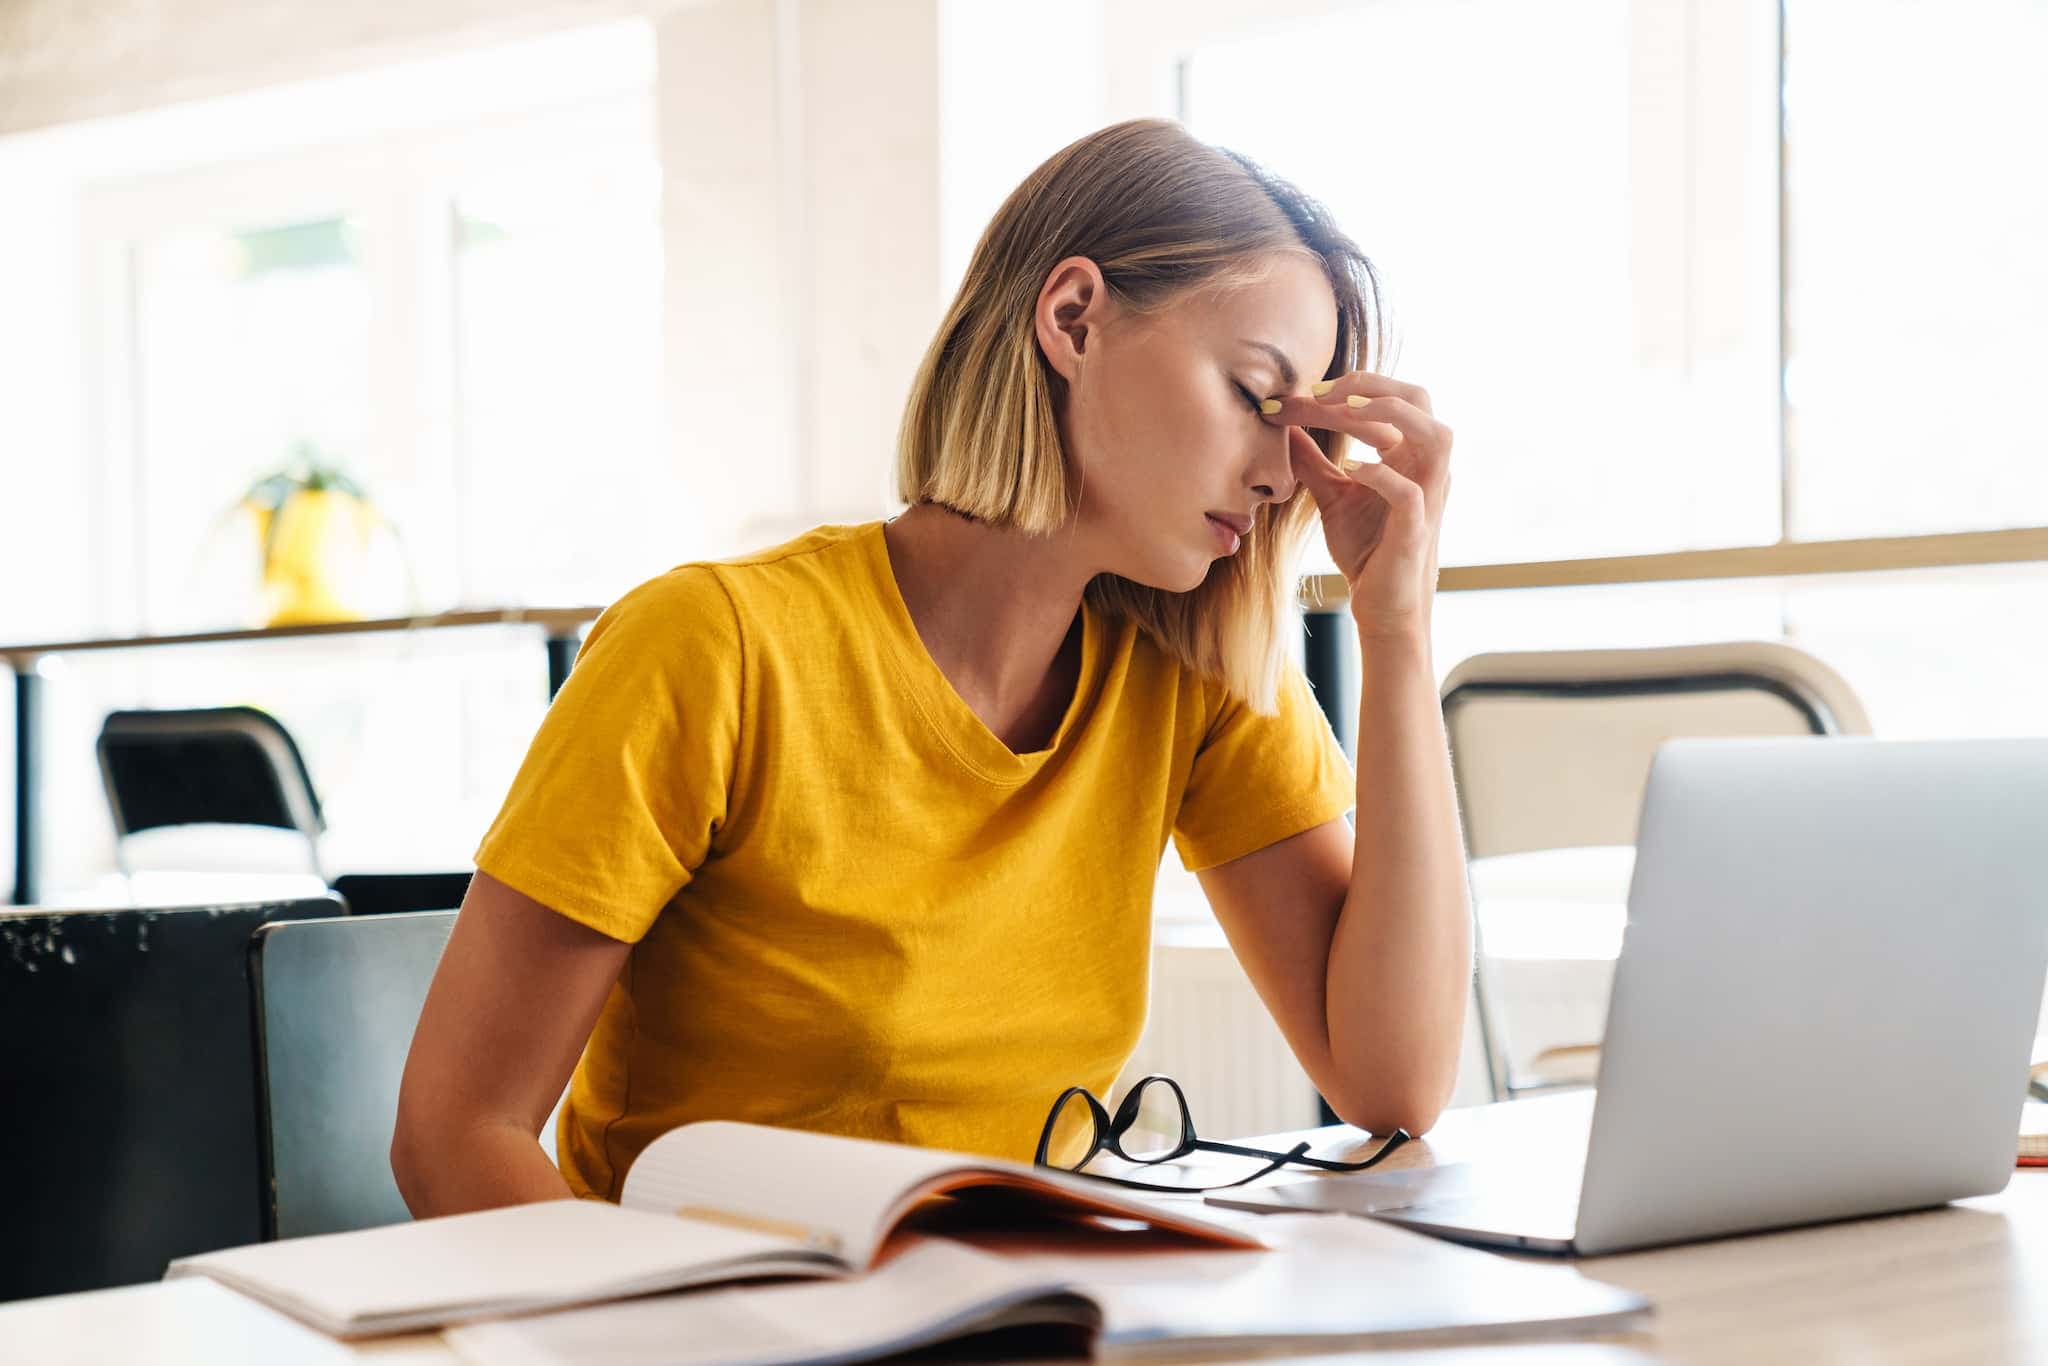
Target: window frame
400,188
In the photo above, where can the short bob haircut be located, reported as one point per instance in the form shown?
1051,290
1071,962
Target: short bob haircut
1161,214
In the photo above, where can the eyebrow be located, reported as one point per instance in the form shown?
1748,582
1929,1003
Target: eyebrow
1287,375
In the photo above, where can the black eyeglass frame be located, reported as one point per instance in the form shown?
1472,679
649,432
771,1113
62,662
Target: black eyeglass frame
1108,1133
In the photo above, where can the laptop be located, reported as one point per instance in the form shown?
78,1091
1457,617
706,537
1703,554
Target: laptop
1824,1005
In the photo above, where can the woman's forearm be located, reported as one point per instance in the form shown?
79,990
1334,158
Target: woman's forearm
1400,964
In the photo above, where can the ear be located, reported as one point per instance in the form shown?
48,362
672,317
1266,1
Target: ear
1071,307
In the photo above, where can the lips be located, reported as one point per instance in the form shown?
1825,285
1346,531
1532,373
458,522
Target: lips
1225,534
1237,522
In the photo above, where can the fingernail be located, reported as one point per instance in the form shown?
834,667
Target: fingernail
1271,405
1356,400
1321,387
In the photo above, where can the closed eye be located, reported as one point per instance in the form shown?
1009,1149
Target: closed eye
1249,397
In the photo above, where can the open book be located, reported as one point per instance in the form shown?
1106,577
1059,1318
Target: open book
2034,1134
709,1202
1329,1284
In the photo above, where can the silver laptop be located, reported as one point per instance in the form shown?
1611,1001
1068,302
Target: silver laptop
1824,1005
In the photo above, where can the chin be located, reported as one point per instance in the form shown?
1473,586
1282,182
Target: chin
1169,565
1187,578
1167,576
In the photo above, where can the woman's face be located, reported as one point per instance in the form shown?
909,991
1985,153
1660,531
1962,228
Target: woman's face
1161,415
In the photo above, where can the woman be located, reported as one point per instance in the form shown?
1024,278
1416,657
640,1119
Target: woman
859,833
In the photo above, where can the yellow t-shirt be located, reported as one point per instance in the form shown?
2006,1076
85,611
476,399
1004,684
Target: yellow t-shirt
853,908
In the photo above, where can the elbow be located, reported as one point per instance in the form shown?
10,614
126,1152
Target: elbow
1407,1085
404,1168
410,1156
1382,1114
1383,1104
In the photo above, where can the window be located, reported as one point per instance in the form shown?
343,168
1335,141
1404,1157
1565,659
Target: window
447,275
1917,288
567,495
247,343
1513,181
466,319
1577,212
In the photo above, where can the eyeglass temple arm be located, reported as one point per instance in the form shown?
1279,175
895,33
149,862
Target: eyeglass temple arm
1393,1141
1275,1161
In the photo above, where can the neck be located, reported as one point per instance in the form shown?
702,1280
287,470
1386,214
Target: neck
994,608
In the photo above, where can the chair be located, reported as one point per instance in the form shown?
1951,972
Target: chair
130,1133
237,766
1551,750
384,893
336,1004
206,765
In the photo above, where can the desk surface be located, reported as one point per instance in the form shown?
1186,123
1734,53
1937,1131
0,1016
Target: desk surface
1967,1282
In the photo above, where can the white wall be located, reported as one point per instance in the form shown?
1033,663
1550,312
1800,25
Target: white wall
819,214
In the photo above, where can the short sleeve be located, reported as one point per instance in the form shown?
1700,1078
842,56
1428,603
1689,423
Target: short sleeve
1259,779
629,776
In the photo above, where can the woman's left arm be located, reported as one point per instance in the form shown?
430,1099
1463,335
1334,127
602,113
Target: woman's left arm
1360,942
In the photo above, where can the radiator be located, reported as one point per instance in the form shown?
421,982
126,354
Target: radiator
1208,1030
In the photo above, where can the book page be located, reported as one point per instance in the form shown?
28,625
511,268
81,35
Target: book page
439,1270
1328,1282
1331,1282
844,1195
927,1292
2034,1130
837,1191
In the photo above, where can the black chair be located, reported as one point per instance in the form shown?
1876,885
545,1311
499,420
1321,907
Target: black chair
206,765
126,1043
238,766
336,1004
385,893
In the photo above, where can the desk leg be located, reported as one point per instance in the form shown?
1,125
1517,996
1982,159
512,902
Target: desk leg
1326,659
561,658
28,706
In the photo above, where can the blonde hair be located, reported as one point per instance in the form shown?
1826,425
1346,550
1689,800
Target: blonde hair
1161,214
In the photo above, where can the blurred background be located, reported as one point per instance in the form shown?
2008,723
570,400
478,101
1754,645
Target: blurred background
565,292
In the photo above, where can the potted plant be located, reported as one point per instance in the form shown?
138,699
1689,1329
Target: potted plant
316,527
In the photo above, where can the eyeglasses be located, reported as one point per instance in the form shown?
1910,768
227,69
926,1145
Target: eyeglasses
1153,1126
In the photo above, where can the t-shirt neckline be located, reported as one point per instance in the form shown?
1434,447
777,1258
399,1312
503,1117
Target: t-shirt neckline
944,710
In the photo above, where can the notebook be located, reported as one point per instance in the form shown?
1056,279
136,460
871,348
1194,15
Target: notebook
709,1202
1327,1285
2034,1134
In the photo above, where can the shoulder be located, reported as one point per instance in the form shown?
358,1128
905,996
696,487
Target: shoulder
1176,698
722,595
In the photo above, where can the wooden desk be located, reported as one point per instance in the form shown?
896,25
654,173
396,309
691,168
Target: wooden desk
562,625
1966,1282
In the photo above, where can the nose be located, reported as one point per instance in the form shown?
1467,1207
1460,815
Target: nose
1272,472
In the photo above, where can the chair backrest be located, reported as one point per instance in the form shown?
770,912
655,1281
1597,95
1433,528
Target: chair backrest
205,765
336,1004
126,1039
1552,749
383,893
